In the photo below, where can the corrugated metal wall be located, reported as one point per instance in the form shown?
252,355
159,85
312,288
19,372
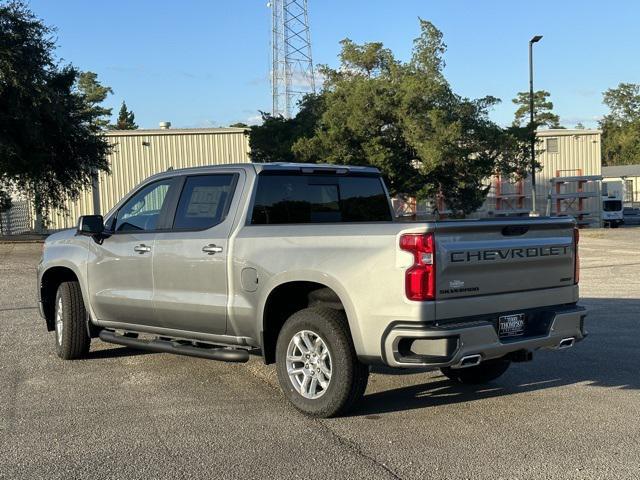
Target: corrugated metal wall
631,189
137,154
579,153
83,205
633,192
577,150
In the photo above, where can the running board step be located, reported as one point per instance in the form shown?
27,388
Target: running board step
166,346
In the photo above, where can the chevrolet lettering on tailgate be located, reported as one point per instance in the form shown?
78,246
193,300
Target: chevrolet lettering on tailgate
510,253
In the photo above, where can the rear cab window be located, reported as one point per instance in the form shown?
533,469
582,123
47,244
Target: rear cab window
294,198
204,201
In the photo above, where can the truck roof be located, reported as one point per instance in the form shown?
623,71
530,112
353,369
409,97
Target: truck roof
276,166
313,166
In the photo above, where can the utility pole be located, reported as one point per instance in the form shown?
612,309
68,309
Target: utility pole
292,73
534,206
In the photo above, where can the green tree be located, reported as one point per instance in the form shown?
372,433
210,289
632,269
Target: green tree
405,119
543,110
50,145
5,205
623,102
621,126
94,94
580,126
239,125
272,141
5,201
126,119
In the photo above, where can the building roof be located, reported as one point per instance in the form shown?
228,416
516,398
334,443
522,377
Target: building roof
558,132
617,171
173,131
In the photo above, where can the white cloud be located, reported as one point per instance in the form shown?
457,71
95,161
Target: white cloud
254,120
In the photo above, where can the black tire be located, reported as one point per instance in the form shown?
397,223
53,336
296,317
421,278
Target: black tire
349,377
73,341
483,373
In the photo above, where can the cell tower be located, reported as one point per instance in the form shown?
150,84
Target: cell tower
292,73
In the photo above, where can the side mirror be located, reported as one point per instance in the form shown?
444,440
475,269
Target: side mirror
90,225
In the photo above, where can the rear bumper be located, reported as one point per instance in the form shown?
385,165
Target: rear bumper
406,345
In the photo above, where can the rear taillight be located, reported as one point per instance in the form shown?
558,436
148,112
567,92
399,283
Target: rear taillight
576,257
420,278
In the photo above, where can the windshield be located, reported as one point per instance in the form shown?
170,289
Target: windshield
612,205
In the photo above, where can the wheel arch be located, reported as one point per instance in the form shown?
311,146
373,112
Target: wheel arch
49,283
293,293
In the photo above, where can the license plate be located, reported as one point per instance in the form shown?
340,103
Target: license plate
511,325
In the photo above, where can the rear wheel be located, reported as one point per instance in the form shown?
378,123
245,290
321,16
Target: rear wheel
72,339
317,366
483,373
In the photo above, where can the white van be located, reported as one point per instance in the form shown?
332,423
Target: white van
612,196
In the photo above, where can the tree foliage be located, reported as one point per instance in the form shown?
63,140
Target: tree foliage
126,119
272,141
402,117
50,143
5,201
543,115
94,94
621,126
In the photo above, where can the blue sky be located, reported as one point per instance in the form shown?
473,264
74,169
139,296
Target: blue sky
204,63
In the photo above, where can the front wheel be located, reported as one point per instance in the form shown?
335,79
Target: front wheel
483,373
317,366
72,338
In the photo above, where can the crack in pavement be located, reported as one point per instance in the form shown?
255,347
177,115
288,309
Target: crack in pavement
258,372
609,265
11,309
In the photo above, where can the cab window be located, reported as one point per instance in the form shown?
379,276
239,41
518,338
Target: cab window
294,198
204,201
142,211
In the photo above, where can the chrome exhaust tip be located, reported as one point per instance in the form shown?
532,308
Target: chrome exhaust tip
567,342
470,361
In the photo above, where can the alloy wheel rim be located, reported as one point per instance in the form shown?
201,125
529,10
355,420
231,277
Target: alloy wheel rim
309,364
59,324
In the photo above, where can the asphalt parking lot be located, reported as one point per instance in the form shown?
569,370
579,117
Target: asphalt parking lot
127,414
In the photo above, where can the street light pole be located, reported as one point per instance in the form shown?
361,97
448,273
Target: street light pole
534,209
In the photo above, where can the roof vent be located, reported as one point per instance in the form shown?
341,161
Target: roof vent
165,125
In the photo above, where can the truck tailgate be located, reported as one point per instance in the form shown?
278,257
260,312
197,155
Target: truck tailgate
489,257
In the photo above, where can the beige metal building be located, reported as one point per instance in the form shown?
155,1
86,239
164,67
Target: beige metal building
630,175
565,153
137,154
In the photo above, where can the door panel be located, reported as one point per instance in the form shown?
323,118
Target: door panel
121,281
121,274
190,284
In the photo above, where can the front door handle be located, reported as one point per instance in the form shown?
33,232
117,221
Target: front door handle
211,249
142,248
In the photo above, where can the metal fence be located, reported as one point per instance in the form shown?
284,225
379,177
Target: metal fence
18,219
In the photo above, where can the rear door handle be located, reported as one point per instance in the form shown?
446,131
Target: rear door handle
142,248
211,249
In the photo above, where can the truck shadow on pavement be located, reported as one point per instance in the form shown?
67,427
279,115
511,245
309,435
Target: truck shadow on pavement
116,352
609,357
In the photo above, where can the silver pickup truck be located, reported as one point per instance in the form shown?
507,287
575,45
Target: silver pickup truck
306,265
